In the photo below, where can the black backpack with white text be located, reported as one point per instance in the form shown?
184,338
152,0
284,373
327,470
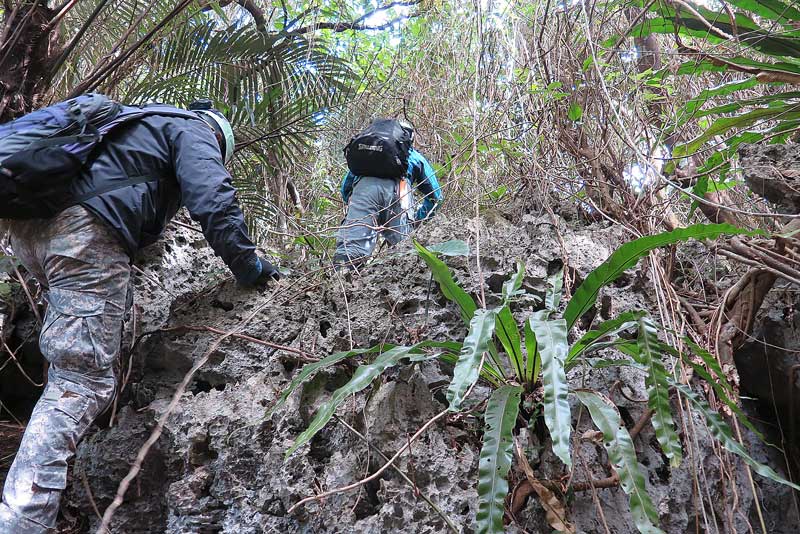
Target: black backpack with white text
380,150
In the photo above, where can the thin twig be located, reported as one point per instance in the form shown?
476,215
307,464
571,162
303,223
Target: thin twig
402,475
640,424
388,463
88,489
377,473
283,348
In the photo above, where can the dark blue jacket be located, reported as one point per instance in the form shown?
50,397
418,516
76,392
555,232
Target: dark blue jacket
181,158
422,177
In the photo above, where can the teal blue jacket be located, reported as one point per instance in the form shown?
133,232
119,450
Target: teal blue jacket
422,177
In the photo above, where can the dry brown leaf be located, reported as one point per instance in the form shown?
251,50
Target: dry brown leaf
555,512
595,436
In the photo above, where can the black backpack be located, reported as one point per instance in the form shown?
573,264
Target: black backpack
380,150
43,152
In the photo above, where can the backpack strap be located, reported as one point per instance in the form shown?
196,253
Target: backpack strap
142,112
67,140
133,180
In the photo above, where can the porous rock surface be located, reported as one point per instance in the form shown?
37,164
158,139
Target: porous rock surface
773,172
220,464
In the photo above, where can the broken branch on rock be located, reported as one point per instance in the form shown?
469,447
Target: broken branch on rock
400,472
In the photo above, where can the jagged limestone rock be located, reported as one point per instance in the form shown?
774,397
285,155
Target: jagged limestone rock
219,466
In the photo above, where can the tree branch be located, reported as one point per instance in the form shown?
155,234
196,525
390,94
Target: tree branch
358,24
762,74
256,12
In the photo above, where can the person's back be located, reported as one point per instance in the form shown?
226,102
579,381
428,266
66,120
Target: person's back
381,204
178,161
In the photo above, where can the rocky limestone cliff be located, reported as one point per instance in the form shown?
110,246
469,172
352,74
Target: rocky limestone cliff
219,465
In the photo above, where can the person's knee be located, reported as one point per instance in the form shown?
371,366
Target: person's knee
82,396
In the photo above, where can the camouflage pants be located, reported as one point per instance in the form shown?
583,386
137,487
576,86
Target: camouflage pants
85,271
376,205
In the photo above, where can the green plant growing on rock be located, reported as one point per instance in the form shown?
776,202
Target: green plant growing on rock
538,360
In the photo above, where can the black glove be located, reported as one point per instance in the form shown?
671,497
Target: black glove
269,273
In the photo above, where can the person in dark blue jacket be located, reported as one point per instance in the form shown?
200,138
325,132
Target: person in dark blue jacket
386,206
143,174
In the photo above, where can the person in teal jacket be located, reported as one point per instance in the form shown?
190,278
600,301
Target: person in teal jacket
386,206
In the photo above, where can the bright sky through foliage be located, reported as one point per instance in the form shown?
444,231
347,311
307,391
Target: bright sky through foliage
383,16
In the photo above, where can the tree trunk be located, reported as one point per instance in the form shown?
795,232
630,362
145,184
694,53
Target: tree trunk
28,48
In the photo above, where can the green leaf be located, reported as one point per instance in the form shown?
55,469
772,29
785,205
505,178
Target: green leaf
450,289
532,361
508,334
710,361
495,458
308,371
498,193
656,381
488,371
685,23
512,286
769,9
693,105
718,381
465,374
506,327
698,67
723,395
784,111
722,432
575,112
590,339
551,338
692,68
218,11
362,378
622,454
311,369
454,247
628,255
771,99
555,283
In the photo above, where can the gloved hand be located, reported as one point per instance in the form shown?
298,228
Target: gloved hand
269,273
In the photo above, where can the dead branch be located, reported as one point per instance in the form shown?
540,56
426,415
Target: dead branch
524,489
555,511
302,355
